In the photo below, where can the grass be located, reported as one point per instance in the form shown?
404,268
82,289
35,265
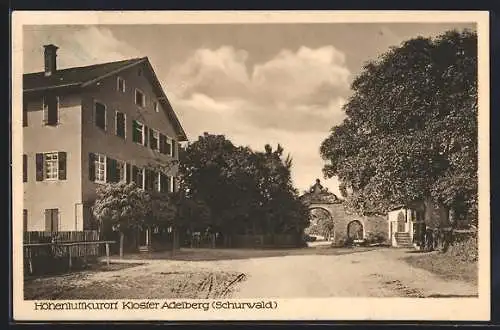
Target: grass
445,265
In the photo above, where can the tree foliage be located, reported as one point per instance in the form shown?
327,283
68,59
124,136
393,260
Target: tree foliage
411,127
245,191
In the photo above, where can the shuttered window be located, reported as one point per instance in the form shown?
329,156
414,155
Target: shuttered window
51,166
154,139
50,110
174,149
138,176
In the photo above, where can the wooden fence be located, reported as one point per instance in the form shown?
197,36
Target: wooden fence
77,250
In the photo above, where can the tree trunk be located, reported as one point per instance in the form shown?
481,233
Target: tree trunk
122,239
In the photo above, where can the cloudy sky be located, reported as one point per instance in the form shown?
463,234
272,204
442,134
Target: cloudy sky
255,83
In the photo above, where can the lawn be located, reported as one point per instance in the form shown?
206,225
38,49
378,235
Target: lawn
445,265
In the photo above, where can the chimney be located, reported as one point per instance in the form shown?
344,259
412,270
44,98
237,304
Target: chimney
50,54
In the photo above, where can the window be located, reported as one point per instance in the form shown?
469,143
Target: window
154,139
121,171
138,176
156,106
165,183
138,132
25,114
51,166
100,115
120,124
120,84
25,220
100,168
50,110
25,168
149,179
51,220
140,98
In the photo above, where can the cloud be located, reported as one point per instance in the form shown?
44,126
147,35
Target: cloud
293,98
78,46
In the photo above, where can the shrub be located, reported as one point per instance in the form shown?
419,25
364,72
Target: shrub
465,248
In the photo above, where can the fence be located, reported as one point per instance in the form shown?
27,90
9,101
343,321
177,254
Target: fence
51,251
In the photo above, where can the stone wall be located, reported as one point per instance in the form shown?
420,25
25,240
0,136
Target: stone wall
374,227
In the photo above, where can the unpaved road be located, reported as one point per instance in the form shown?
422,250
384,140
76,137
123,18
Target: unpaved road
305,274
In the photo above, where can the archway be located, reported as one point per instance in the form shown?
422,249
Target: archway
321,223
355,230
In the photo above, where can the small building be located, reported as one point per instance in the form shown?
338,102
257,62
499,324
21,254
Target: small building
87,126
347,226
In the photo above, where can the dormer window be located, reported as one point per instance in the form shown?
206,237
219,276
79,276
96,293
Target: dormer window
156,106
140,98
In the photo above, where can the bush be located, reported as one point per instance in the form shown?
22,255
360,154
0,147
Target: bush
375,238
465,249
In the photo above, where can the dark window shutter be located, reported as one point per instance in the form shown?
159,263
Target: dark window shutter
25,114
48,220
39,167
163,142
168,148
25,168
174,183
91,166
62,165
151,138
25,220
127,172
146,135
110,170
120,124
52,111
135,133
174,148
135,174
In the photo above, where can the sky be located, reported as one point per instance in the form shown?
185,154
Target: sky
254,83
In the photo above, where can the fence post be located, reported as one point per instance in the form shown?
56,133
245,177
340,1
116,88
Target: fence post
69,255
107,254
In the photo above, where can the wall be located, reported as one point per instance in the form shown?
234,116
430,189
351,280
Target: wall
341,218
96,140
66,136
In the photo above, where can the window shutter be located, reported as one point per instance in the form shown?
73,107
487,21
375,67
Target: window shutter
55,220
168,148
151,138
39,167
135,174
174,148
62,165
25,168
110,170
163,142
127,172
146,135
135,133
174,182
25,114
48,220
52,110
91,166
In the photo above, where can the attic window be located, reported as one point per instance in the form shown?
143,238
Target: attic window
121,84
156,106
140,98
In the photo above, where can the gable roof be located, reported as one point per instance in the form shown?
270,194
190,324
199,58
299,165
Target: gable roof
80,77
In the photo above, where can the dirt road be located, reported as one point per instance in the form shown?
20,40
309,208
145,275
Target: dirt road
378,273
312,273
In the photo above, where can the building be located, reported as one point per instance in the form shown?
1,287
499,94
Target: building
85,126
347,227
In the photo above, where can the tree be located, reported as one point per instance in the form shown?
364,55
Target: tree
121,207
411,128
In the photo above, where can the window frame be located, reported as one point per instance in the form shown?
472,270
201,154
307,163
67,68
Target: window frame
157,137
45,167
105,115
124,124
143,105
143,130
97,162
121,90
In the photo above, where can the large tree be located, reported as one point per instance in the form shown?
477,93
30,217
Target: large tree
410,132
246,191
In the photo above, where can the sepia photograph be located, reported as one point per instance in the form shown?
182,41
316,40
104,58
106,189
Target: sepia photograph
209,165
